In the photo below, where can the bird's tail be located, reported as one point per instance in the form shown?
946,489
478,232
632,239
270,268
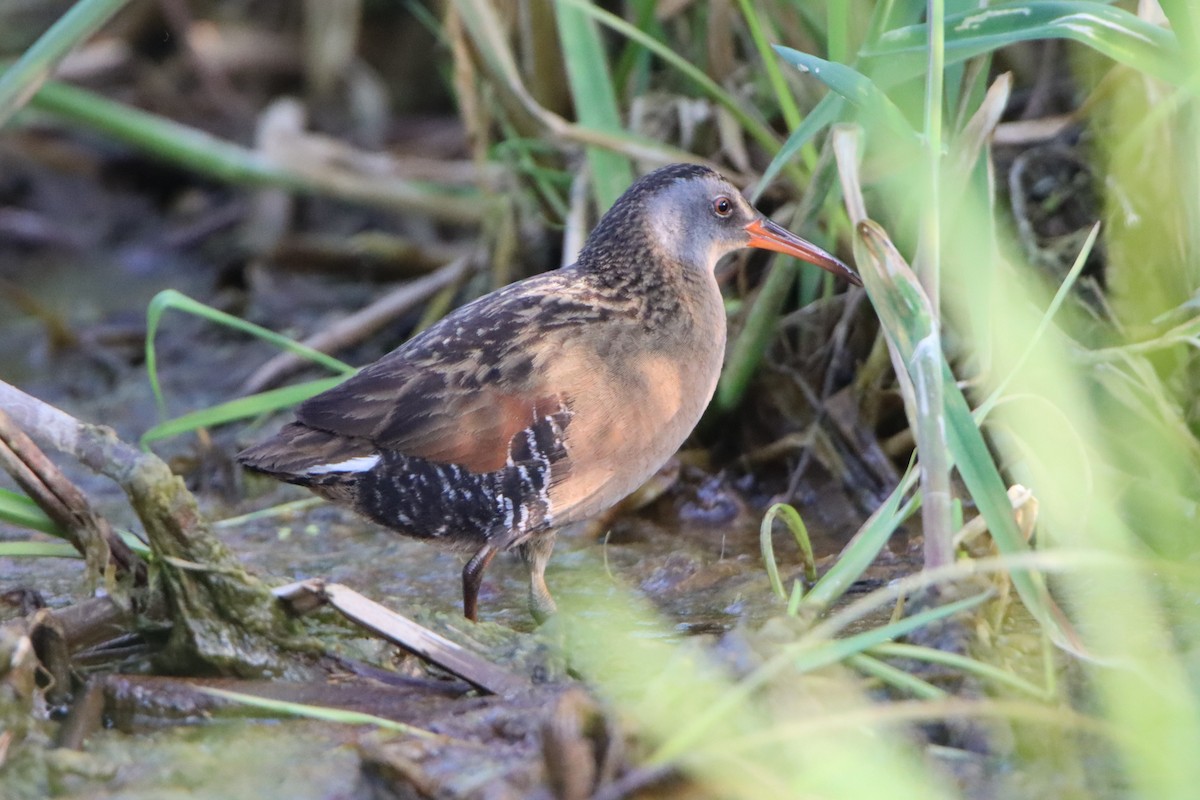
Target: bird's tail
308,456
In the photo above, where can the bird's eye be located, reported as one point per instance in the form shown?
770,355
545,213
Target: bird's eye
722,206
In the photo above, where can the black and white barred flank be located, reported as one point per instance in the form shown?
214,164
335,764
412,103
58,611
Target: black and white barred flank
448,502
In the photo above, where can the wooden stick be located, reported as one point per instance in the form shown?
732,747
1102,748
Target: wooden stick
64,503
304,596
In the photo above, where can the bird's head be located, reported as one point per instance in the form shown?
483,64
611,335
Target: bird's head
688,214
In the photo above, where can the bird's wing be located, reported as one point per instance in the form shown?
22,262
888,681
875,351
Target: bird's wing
462,391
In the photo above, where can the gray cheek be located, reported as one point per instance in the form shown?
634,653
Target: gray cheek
698,245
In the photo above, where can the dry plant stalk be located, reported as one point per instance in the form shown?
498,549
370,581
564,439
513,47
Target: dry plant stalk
223,619
106,553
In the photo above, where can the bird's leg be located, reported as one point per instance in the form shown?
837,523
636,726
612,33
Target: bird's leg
472,577
536,553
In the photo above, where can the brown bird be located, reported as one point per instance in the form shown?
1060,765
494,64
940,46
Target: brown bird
546,401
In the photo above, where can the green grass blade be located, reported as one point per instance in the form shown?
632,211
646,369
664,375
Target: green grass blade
996,675
895,677
522,154
595,100
929,263
188,147
282,509
633,70
925,370
136,545
197,150
904,313
837,32
983,481
795,524
894,14
171,299
927,357
831,107
751,343
797,595
853,561
323,713
17,509
805,655
240,408
22,80
1184,17
835,650
952,74
857,89
783,94
753,126
1056,302
38,550
823,114
901,54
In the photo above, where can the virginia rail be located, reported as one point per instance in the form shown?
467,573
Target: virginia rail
546,401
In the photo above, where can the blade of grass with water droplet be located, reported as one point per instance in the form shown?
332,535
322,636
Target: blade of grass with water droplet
901,54
855,87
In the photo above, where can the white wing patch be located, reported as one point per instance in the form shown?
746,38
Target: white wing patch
357,464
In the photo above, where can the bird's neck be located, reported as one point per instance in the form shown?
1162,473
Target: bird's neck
632,270
659,290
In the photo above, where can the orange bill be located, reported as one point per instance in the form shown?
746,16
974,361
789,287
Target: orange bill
766,235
